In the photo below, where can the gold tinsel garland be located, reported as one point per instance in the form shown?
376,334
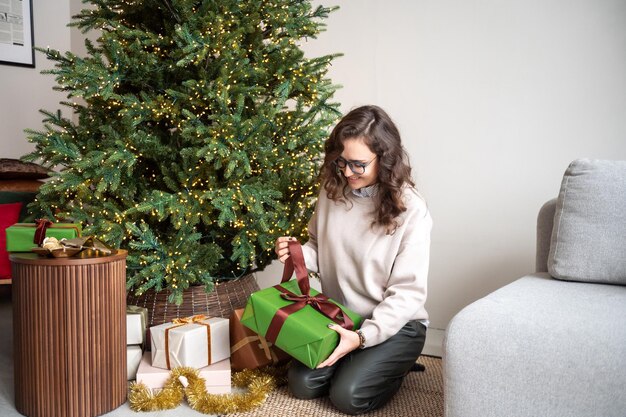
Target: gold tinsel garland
187,382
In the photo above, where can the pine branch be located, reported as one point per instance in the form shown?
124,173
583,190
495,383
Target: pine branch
199,136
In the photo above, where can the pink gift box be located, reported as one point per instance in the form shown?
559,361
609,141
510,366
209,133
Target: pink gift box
217,376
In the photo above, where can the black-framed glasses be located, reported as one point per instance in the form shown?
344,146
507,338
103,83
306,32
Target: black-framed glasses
356,167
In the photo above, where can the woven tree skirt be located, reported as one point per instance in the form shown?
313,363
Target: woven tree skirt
225,297
69,326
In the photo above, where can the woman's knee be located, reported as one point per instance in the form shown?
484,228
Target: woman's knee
343,398
353,396
305,383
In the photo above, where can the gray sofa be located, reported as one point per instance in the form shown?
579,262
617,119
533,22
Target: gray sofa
553,343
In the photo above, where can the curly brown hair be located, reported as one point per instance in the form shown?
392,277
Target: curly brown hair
374,126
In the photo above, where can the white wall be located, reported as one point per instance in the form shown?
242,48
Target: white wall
24,91
493,98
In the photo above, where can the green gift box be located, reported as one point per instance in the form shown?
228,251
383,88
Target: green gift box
21,236
303,333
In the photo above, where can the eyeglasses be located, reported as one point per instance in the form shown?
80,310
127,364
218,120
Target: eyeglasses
356,167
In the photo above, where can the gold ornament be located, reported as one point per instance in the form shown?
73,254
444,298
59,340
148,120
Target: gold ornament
186,382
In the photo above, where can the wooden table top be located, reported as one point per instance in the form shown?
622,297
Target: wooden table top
86,257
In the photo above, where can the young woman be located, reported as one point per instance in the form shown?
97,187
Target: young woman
369,239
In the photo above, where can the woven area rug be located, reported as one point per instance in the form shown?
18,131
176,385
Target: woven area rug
421,395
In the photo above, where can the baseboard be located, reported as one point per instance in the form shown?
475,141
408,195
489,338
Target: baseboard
434,342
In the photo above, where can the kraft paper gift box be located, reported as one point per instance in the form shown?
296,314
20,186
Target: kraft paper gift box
285,316
216,376
133,358
21,236
195,341
136,321
248,350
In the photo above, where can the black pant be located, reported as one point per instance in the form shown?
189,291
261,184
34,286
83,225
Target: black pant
365,379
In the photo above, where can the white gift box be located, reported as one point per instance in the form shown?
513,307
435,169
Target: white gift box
136,322
135,329
133,358
196,344
216,376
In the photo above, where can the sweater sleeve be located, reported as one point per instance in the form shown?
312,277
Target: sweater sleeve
405,293
309,249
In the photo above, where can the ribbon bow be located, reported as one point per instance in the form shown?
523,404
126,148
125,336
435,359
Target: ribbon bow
319,302
191,319
178,322
40,231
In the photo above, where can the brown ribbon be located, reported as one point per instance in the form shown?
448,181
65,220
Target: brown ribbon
269,354
197,319
264,345
40,231
319,302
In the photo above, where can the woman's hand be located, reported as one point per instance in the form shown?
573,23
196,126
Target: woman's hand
348,342
282,248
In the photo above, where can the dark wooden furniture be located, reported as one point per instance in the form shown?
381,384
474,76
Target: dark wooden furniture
69,329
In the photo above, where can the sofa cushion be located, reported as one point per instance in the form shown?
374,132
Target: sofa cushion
538,347
589,236
9,214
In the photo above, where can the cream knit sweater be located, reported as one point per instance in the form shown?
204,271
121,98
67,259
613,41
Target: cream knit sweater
382,277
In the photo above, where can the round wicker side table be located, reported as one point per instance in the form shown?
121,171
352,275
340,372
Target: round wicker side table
69,334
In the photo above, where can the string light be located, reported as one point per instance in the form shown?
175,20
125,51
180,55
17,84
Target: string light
209,91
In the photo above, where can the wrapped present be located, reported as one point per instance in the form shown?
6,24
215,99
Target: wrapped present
86,246
295,317
216,376
22,237
136,321
248,350
196,341
133,358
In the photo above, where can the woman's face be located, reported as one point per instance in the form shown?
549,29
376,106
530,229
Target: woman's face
356,151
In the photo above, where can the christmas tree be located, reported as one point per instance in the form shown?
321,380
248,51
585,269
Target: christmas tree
196,134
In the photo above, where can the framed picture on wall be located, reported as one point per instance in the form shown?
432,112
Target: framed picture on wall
16,33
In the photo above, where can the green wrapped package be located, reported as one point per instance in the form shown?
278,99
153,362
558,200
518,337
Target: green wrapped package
20,236
304,334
